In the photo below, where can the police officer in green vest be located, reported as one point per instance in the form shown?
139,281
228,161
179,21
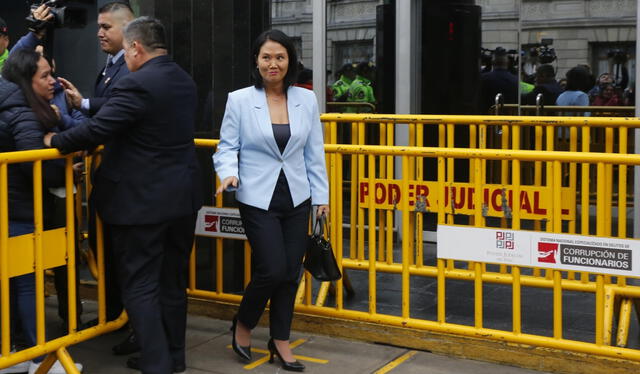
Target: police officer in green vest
4,43
340,88
361,89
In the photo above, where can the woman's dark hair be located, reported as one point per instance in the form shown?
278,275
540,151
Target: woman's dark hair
20,68
279,37
578,79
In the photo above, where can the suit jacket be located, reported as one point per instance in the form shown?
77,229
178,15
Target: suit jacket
105,84
248,149
149,172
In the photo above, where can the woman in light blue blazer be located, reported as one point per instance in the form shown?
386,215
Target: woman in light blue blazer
271,152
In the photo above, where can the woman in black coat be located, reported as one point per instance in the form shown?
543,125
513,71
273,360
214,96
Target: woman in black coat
26,87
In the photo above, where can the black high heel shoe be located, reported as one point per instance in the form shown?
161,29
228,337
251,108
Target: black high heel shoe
243,352
288,366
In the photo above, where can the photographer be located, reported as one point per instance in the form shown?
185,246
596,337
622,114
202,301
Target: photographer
42,17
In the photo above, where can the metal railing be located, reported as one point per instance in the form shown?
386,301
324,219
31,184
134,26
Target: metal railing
36,252
380,195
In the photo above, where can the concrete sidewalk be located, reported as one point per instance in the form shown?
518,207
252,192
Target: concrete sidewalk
209,351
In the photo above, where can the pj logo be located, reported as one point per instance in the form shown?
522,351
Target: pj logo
505,240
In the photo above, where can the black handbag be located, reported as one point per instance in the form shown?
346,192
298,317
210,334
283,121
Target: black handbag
319,260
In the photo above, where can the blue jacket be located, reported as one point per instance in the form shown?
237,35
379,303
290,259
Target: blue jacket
20,130
248,149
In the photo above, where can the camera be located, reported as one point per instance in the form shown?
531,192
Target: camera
63,16
618,56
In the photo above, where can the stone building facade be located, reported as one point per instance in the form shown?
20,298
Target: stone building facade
583,31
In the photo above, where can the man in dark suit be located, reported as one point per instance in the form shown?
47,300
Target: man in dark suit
147,190
112,18
498,80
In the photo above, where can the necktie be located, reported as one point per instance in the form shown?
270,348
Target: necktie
109,64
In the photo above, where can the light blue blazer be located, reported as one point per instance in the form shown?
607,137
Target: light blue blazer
248,149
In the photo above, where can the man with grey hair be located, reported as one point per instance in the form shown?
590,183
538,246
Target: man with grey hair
147,190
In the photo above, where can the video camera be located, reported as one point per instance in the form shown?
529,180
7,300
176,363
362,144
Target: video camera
619,56
63,15
543,52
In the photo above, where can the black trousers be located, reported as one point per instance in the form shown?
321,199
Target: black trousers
152,265
278,239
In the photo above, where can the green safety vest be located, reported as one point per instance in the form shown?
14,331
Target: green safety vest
525,87
340,88
3,58
361,91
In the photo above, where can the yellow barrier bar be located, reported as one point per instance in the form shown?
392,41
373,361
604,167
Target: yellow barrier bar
39,261
478,299
469,275
389,214
601,199
66,361
489,154
609,177
622,187
600,291
360,222
71,247
4,259
382,214
372,236
353,212
557,304
573,176
516,298
339,233
623,323
545,121
102,313
406,248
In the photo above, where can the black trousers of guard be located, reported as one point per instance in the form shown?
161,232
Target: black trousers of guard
278,239
152,265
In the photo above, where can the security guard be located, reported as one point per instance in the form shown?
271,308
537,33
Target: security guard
361,89
340,88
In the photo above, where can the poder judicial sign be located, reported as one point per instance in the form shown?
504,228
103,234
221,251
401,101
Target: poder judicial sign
540,249
459,198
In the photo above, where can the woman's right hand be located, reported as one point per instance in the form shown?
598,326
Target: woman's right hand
228,181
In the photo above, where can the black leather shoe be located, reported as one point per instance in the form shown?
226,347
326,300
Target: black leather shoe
243,352
288,366
134,363
128,346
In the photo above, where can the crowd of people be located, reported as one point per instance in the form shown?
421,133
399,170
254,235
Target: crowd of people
577,88
355,84
147,189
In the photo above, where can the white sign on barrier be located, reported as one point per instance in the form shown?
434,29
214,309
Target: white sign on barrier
220,223
540,249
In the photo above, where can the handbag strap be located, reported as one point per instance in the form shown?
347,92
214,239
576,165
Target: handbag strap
321,224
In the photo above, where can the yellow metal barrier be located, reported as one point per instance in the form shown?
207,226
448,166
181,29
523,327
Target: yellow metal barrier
36,252
380,181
